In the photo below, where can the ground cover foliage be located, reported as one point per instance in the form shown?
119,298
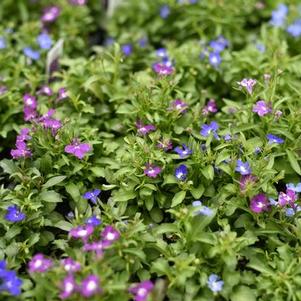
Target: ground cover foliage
158,158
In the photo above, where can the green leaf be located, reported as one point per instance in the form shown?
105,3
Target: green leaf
243,293
73,190
208,172
66,226
8,166
50,196
198,191
54,181
178,198
123,195
293,161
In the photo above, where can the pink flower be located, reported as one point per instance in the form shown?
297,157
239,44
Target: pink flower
211,107
152,170
141,290
248,83
109,235
163,69
144,129
50,14
259,203
178,105
90,286
83,232
77,149
70,265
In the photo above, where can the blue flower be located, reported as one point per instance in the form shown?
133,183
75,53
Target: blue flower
274,139
181,172
279,15
44,40
207,129
227,137
243,168
214,283
183,151
202,210
296,188
93,220
127,49
164,11
92,195
214,59
260,47
143,42
161,52
9,282
2,43
32,54
167,62
295,29
219,44
14,214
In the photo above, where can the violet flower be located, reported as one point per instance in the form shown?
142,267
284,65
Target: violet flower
296,188
141,290
210,107
78,149
165,144
93,221
14,214
78,2
208,129
259,203
178,105
243,168
248,83
183,151
201,209
30,53
274,139
62,94
152,170
262,108
97,247
44,40
164,11
92,195
181,172
246,182
39,264
144,129
215,59
90,286
46,90
279,15
215,284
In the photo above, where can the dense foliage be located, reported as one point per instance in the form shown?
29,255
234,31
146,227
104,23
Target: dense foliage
157,157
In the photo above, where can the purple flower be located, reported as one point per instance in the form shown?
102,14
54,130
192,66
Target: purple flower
208,129
70,265
14,214
30,53
201,209
50,123
44,40
21,151
287,198
215,59
78,149
83,232
144,129
141,290
151,170
183,151
45,90
30,101
127,49
68,287
109,235
3,90
246,182
219,44
274,139
181,172
50,14
163,69
39,264
165,144
278,114
93,221
215,284
295,29
97,247
78,2
211,107
259,203
248,83
178,105
90,286
243,168
161,52
164,11
279,15
92,195
62,94
9,281
262,108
